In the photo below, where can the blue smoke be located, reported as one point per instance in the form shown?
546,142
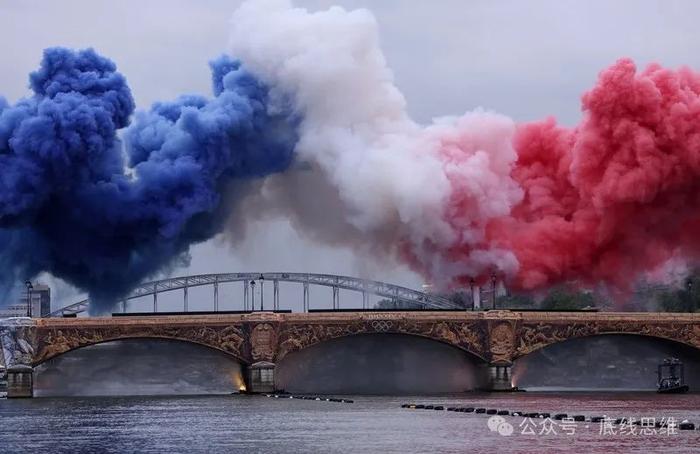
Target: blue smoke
104,213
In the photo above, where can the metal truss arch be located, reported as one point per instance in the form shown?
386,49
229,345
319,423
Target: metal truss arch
364,286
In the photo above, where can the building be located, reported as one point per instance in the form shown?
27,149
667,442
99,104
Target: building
40,300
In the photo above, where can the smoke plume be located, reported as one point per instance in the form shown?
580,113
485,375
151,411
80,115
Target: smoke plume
603,202
615,196
425,194
102,214
306,122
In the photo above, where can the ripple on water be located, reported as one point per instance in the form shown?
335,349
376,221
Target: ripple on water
228,424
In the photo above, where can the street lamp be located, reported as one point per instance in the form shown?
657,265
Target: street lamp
471,287
493,297
252,296
262,292
30,287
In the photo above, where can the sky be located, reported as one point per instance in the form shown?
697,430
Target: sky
527,60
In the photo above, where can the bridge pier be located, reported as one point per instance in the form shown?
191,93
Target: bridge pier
17,349
499,377
20,381
261,377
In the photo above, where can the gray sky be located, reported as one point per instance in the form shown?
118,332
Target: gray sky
525,59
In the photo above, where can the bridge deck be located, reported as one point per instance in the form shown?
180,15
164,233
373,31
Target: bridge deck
453,316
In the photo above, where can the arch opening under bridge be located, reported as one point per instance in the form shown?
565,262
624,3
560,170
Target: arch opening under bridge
139,366
381,363
528,346
62,341
606,360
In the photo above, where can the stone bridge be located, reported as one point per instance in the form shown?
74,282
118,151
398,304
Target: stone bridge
259,340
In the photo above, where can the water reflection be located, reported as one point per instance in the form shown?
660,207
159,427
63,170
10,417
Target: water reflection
233,424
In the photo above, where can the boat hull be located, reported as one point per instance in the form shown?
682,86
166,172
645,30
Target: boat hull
674,390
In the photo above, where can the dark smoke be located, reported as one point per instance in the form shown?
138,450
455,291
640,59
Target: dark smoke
77,202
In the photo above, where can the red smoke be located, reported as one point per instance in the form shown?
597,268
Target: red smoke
618,194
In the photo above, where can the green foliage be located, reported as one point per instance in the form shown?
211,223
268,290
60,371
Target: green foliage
461,298
564,298
389,304
516,302
686,299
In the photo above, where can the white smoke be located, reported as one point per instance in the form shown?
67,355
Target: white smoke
370,176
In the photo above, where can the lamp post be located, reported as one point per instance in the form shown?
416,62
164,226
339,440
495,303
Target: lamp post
471,287
262,292
493,296
252,296
30,287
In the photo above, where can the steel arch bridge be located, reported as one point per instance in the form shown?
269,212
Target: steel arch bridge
366,287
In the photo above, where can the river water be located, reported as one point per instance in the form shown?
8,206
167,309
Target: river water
250,424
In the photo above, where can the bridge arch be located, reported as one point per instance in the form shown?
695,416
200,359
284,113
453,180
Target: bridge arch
380,363
468,337
58,341
534,338
465,349
606,360
139,366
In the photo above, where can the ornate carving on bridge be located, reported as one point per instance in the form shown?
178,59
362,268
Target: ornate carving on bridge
498,337
468,336
534,336
295,337
17,342
55,341
263,341
502,342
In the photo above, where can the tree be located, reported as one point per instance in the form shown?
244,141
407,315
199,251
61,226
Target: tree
394,304
566,298
461,298
686,299
517,301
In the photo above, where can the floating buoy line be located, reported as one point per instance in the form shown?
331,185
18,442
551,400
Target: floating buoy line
316,398
682,425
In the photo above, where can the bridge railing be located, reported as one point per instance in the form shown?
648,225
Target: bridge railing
249,281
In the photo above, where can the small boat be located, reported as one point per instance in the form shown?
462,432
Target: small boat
671,377
673,389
